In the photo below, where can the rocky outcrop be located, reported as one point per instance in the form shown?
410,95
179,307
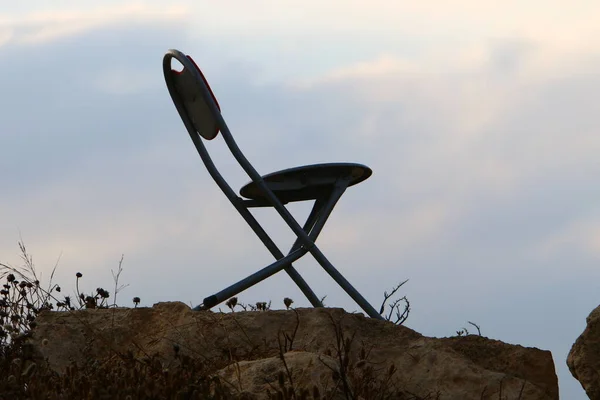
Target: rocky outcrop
584,358
316,349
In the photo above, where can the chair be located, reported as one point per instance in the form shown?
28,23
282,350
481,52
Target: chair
323,183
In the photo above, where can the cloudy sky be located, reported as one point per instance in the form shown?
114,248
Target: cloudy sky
479,119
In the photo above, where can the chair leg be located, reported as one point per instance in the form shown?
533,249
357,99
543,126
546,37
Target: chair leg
324,213
348,288
251,280
320,213
239,205
312,228
312,219
281,263
274,250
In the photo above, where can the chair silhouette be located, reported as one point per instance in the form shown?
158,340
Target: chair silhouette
323,183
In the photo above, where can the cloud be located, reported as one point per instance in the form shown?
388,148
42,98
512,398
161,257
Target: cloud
45,26
479,111
403,231
431,15
578,235
447,137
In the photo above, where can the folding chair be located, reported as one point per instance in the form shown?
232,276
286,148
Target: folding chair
323,183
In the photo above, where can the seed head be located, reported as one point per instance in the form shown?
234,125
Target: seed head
79,274
103,293
288,302
90,302
231,303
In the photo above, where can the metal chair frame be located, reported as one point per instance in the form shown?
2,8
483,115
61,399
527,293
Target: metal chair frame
192,83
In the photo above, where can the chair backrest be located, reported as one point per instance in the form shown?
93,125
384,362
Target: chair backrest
202,117
188,85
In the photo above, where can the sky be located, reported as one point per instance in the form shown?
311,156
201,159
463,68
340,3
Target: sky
478,118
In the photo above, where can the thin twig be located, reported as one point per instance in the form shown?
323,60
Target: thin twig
387,296
476,326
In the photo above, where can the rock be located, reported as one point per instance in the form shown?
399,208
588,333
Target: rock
245,350
307,370
584,358
530,364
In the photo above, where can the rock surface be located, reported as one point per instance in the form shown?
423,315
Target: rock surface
253,351
584,358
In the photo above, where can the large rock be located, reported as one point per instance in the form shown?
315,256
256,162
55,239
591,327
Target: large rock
254,351
584,358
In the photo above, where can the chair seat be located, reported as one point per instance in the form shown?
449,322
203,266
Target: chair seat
307,182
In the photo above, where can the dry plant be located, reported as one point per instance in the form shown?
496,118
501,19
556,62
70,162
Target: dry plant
357,377
465,332
22,297
121,376
396,313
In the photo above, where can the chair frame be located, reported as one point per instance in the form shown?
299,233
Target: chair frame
305,235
